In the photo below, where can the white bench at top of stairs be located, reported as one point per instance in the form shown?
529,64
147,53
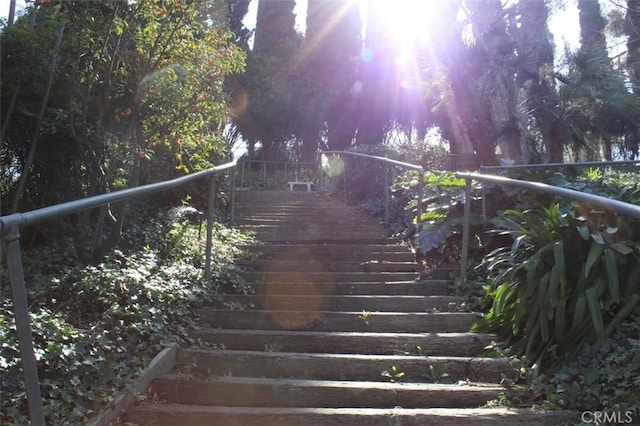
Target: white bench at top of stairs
294,183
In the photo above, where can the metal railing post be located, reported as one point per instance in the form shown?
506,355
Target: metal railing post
23,324
484,206
210,217
344,182
421,174
484,201
465,230
319,176
386,190
242,175
233,195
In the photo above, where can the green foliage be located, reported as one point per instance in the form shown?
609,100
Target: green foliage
566,280
605,375
95,327
264,95
138,95
442,215
393,374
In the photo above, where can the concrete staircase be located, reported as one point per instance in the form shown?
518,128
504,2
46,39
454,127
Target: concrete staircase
338,332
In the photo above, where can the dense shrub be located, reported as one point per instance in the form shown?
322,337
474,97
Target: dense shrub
95,327
567,280
605,376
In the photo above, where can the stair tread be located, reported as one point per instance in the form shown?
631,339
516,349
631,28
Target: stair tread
352,384
377,313
330,356
337,320
369,334
353,416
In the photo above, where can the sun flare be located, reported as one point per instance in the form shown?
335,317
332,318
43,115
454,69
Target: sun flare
406,21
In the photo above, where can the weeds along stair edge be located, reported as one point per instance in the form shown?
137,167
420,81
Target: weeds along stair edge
340,332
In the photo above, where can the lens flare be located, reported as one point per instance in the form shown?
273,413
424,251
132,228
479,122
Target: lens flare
333,166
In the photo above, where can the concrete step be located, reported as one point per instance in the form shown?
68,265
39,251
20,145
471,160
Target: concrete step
200,415
423,288
383,322
322,366
312,301
312,234
328,276
267,392
436,344
279,216
319,265
380,247
301,224
301,253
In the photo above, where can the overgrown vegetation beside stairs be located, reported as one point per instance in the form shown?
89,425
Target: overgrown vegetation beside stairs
97,326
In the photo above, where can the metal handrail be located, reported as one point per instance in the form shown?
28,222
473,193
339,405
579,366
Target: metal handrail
374,157
615,205
559,165
601,164
386,184
11,225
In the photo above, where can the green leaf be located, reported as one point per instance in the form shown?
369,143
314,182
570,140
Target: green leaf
579,313
598,238
594,254
559,327
545,312
594,310
557,273
583,231
623,313
612,274
502,295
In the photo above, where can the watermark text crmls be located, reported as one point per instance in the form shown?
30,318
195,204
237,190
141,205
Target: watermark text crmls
608,417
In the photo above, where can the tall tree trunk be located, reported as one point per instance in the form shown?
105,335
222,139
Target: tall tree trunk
594,60
275,23
378,80
495,84
536,56
12,13
632,29
24,175
275,49
332,42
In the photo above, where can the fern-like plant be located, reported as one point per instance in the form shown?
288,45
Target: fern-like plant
565,281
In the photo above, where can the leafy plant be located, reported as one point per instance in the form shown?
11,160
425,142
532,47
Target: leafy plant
393,374
95,327
435,373
442,216
272,347
566,280
605,375
364,316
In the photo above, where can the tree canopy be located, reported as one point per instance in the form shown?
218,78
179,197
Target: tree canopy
483,72
98,96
